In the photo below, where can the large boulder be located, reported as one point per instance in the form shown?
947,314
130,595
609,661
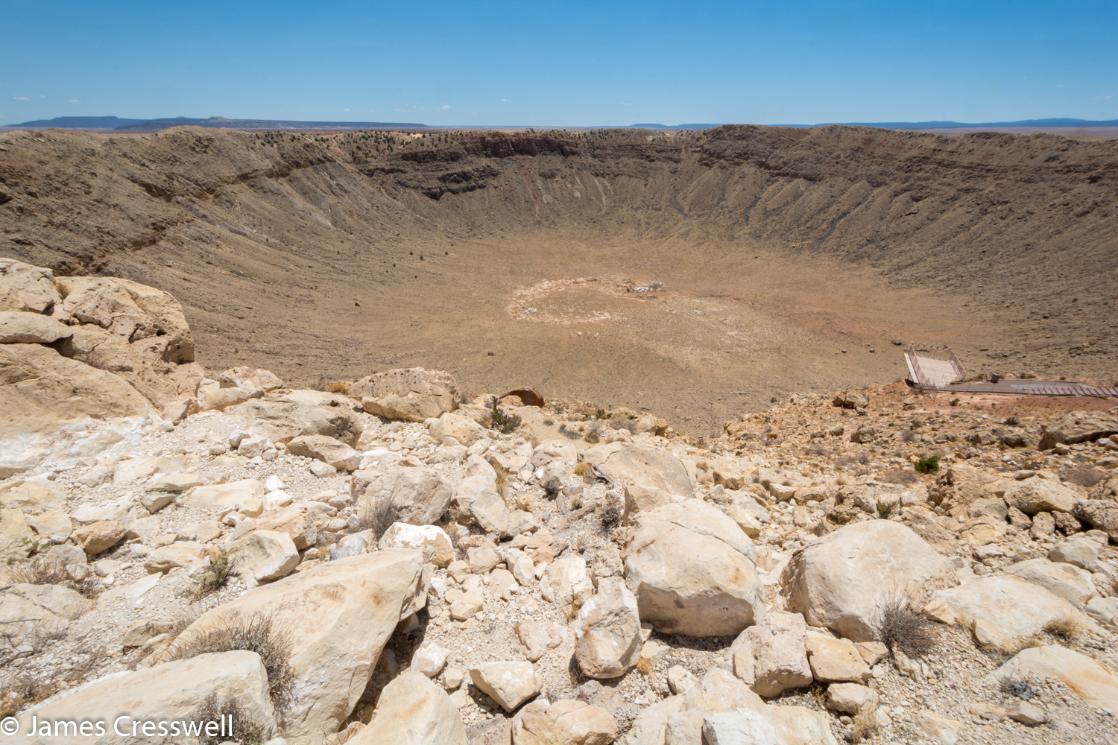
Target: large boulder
414,494
692,570
566,582
126,351
27,610
412,710
1006,612
431,540
1099,513
608,632
244,495
40,389
736,715
18,327
265,556
412,394
326,449
17,538
338,617
1040,495
197,690
508,683
1069,582
679,718
650,476
564,722
772,655
27,288
1086,678
844,580
1078,426
478,497
773,725
129,310
283,415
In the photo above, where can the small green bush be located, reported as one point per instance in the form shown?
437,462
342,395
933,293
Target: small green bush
503,422
928,464
216,575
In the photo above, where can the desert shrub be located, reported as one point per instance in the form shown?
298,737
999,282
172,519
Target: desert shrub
377,516
257,634
503,421
864,726
246,730
1018,688
899,627
1064,629
216,575
40,571
885,510
552,487
928,464
610,517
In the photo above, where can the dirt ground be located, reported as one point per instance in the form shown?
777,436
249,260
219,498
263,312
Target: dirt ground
656,326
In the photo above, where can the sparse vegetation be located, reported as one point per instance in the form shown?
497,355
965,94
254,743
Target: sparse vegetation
1064,629
257,634
899,627
216,575
885,510
552,487
246,730
1018,688
928,464
610,517
864,726
503,421
377,516
42,570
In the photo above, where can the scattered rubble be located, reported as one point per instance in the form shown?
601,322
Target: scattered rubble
388,564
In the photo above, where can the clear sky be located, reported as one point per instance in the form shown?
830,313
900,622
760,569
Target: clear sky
561,63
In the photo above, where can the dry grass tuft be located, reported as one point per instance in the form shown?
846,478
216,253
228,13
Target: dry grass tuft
900,627
644,666
342,387
377,516
42,570
1065,629
865,726
246,730
257,634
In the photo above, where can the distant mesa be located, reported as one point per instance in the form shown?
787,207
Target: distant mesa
123,124
1051,123
118,124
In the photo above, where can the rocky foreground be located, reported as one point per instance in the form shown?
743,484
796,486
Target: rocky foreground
392,561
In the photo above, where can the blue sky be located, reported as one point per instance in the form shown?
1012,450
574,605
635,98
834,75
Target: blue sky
561,63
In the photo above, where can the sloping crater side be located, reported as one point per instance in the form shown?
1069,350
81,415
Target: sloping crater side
284,245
